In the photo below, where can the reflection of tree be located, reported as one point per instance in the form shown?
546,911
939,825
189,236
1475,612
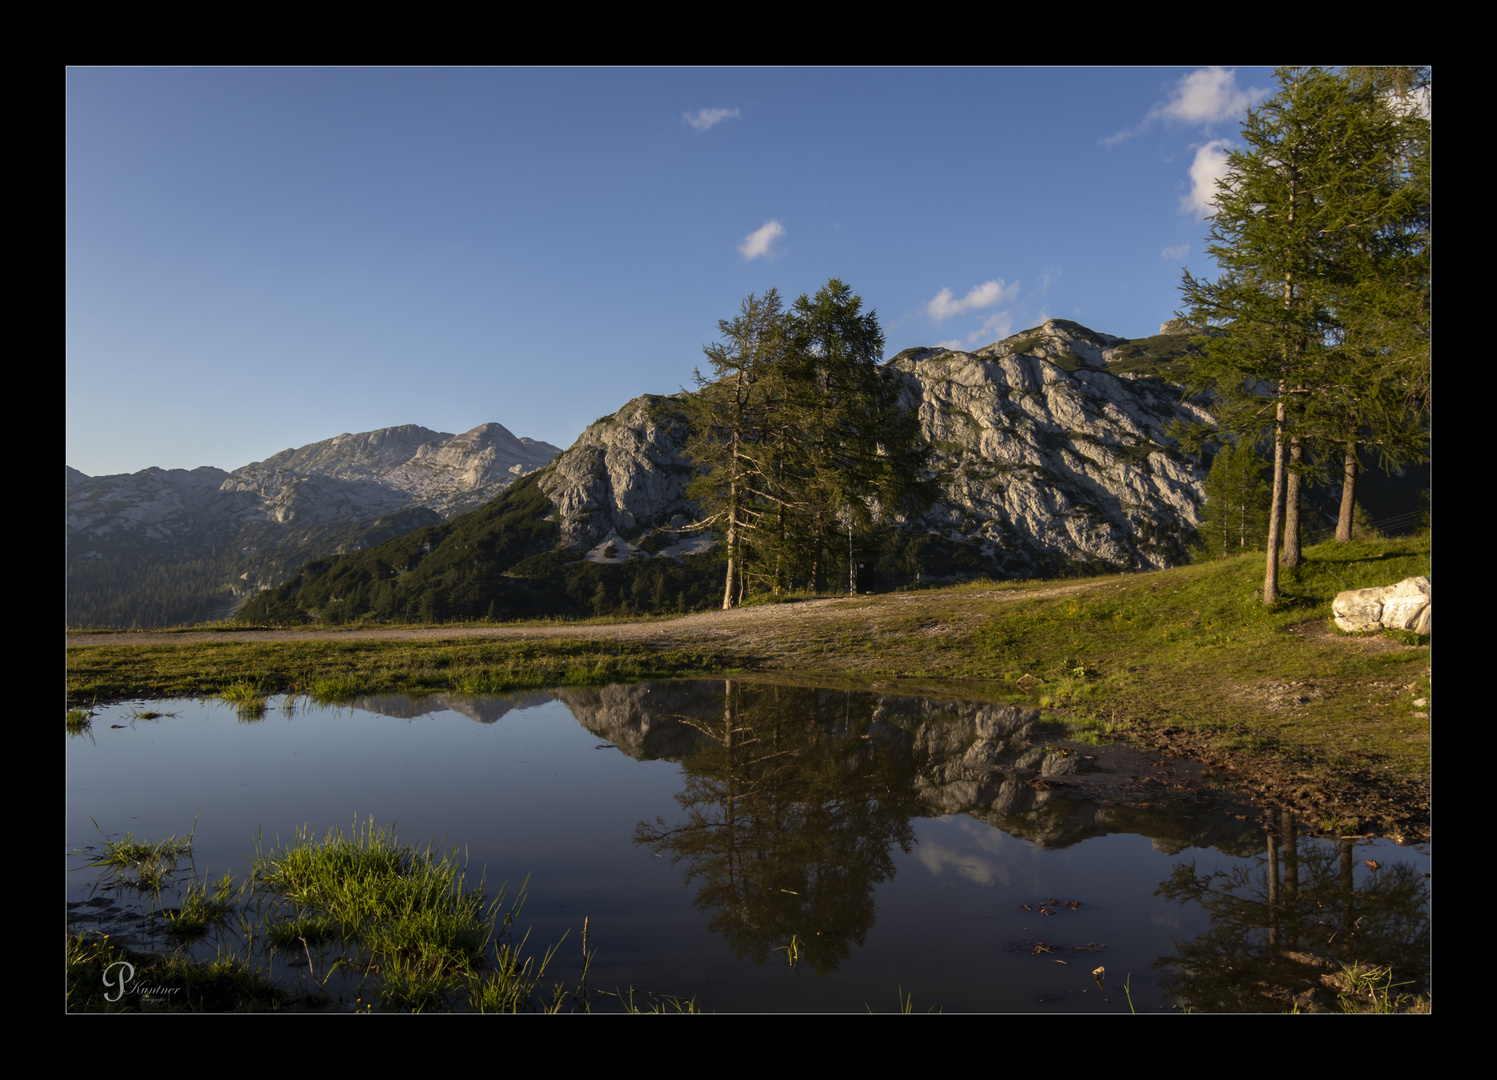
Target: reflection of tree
792,809
1281,930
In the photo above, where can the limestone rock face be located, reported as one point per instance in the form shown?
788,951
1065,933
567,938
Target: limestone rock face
1046,461
1404,606
1043,465
626,473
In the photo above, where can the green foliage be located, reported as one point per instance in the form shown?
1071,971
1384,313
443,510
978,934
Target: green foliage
1235,516
800,439
1318,323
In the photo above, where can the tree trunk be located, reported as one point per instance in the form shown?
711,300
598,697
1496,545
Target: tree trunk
817,545
1276,509
732,531
1291,505
1348,495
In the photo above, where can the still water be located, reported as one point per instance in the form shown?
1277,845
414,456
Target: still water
963,853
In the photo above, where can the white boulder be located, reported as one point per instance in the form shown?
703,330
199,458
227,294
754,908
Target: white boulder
1405,606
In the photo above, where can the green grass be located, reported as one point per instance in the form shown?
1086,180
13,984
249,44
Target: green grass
142,864
203,907
79,721
402,926
1194,647
438,942
98,982
1371,989
340,670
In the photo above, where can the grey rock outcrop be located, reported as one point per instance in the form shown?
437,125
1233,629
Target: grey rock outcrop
1043,465
1045,460
1404,606
626,473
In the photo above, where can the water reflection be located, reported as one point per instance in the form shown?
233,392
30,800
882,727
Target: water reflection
892,840
794,801
1284,930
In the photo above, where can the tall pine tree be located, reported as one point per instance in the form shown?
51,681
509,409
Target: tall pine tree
1300,228
801,437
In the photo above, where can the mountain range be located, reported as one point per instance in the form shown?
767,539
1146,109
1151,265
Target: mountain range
166,546
1052,453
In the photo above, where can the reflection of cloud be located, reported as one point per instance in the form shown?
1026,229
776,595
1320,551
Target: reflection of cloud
1167,919
757,242
703,119
974,859
1209,166
938,858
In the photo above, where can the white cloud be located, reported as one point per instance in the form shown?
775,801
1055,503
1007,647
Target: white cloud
1205,97
758,242
703,119
994,328
1209,166
1176,252
1202,99
985,295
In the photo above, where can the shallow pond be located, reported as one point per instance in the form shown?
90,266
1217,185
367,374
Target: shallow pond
711,832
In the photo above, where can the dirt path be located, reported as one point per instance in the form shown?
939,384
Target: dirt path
739,626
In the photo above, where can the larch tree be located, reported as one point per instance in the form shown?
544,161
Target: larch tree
859,455
800,435
733,412
1299,228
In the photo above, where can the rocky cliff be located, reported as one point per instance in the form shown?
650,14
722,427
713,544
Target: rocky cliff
1047,460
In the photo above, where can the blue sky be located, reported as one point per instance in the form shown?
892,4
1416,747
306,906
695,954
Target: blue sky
262,258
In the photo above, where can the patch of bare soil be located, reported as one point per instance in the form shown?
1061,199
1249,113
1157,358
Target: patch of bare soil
1362,798
1322,632
740,626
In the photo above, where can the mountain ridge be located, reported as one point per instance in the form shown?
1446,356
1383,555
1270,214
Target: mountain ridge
228,534
1049,460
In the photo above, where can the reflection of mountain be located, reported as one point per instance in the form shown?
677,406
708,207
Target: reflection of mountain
995,763
795,797
485,710
1283,932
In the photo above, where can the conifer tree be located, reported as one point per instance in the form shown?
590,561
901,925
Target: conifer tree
800,436
1236,510
1305,226
733,413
